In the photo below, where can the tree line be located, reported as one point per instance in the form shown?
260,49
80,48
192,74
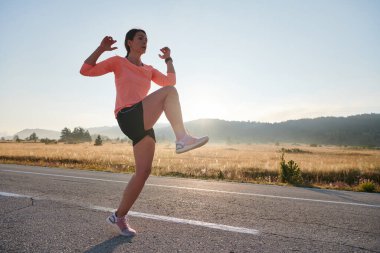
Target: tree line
78,135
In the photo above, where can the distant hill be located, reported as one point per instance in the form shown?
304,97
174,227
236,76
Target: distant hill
358,130
111,132
41,133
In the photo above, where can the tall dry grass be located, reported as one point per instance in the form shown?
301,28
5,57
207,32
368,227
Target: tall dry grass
258,163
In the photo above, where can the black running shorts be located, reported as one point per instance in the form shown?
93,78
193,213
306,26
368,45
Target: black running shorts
131,123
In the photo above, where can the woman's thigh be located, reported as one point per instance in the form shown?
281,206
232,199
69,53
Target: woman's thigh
153,105
144,153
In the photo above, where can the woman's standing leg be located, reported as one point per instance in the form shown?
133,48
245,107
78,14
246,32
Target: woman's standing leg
143,152
163,100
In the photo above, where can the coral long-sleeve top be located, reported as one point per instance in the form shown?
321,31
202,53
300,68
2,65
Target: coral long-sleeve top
132,82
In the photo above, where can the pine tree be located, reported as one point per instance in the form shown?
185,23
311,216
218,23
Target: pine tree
16,138
65,135
87,136
77,134
98,141
32,137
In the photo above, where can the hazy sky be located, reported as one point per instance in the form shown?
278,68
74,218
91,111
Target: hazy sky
235,60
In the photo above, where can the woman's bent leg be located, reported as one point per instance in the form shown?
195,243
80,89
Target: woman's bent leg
143,152
165,99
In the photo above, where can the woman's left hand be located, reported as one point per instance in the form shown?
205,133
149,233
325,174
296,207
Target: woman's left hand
166,53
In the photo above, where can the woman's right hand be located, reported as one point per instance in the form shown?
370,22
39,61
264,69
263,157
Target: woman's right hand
107,43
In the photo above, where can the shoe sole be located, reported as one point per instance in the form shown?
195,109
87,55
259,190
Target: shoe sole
193,146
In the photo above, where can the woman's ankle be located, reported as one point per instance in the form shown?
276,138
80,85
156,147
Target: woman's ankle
117,215
181,136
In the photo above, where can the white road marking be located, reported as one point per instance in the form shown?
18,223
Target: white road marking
160,217
15,195
184,221
200,189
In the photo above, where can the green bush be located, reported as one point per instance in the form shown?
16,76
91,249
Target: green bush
290,172
220,175
48,141
368,186
98,141
294,151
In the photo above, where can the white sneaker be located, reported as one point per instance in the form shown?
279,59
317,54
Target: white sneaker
188,143
121,224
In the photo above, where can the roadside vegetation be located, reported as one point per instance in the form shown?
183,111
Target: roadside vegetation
333,167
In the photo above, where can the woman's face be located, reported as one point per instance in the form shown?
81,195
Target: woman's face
139,43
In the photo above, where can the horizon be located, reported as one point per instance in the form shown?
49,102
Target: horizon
167,124
260,61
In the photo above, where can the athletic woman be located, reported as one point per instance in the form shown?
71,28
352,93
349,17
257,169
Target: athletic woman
136,112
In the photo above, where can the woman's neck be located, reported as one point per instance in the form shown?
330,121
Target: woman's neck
135,59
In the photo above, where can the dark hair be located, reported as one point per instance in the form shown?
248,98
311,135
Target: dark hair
129,36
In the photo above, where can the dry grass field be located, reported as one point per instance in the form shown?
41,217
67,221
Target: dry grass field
327,167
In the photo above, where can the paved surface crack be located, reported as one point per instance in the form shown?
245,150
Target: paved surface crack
31,203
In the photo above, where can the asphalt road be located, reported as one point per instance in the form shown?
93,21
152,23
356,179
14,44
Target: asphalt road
64,210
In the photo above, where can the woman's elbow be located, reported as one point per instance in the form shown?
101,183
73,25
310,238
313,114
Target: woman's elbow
83,71
86,72
167,83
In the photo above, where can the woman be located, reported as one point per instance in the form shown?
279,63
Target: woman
136,112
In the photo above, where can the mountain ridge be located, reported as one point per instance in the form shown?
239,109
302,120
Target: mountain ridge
357,130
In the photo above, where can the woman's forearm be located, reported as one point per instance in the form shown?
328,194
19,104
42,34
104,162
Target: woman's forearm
170,66
94,56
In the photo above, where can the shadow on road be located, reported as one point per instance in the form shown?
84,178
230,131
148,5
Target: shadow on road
110,245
